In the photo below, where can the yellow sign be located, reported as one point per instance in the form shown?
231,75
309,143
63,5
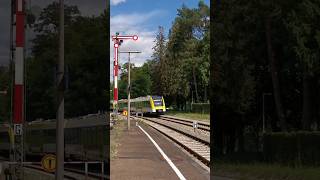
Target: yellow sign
48,163
125,113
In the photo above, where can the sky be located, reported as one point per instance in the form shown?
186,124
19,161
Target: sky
142,18
86,7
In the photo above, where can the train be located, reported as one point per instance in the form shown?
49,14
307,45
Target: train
154,105
85,138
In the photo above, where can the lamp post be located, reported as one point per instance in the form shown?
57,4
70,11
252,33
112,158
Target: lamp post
263,116
129,86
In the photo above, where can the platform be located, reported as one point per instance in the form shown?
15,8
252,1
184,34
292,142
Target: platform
138,158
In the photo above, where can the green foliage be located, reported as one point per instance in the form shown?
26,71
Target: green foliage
180,65
295,149
140,81
158,64
255,44
234,84
200,108
306,34
258,170
85,62
179,68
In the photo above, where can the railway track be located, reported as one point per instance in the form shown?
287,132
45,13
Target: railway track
195,142
187,129
203,127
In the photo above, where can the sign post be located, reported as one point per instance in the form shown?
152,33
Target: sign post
195,126
117,42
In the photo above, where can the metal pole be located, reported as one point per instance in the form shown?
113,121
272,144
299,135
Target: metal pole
129,83
102,169
129,88
11,154
263,130
263,111
60,88
86,170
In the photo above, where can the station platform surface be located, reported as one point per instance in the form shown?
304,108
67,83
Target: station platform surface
138,158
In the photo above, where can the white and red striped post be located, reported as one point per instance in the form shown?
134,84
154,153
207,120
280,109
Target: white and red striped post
18,106
116,45
19,64
115,73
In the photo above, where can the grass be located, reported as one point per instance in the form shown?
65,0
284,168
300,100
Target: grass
248,171
190,115
115,135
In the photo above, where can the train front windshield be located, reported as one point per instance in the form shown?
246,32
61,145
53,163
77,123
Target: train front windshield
157,100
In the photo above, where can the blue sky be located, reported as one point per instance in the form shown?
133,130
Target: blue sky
142,18
165,10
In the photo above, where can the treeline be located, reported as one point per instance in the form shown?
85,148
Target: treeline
179,67
86,64
267,49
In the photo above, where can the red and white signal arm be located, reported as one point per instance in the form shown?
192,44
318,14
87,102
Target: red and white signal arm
134,37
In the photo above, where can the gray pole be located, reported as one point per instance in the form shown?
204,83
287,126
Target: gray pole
129,88
263,116
263,113
60,88
129,84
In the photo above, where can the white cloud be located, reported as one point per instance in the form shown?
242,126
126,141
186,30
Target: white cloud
134,24
116,2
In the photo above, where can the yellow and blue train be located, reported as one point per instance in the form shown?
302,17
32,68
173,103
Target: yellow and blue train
146,105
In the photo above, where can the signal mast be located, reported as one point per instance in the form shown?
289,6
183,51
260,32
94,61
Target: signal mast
117,42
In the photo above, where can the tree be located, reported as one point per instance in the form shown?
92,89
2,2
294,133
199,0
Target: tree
303,26
158,62
186,63
85,59
233,87
140,81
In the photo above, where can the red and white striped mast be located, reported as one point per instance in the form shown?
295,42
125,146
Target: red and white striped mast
19,65
117,42
18,106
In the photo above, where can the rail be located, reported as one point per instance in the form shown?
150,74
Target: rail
193,143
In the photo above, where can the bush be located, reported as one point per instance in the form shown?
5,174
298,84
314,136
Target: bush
200,107
295,149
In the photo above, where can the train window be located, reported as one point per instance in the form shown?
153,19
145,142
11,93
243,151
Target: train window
157,102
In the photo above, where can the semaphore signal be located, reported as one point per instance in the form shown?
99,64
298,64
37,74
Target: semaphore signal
117,42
